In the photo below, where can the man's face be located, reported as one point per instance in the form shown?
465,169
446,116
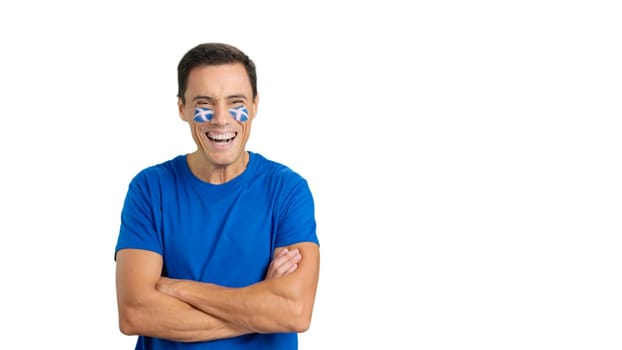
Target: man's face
214,94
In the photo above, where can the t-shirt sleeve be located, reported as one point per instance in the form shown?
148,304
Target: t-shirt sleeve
297,220
139,219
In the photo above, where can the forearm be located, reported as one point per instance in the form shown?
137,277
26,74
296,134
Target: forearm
265,307
159,315
274,305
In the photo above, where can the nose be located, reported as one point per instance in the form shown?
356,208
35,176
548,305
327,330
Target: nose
221,116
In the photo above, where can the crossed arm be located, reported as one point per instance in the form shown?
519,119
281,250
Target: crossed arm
185,310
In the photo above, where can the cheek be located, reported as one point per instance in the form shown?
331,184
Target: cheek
195,129
202,115
240,114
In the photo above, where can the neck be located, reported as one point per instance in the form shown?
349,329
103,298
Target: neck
213,173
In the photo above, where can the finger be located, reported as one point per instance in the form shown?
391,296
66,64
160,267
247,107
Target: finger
284,266
283,256
291,269
275,264
279,252
282,263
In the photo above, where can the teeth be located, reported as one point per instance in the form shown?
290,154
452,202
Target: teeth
221,137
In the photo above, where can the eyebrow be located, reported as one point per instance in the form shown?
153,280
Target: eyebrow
209,98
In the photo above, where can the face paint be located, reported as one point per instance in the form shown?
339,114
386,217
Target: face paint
202,115
239,113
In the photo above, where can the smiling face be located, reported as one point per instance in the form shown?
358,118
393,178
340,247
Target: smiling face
218,94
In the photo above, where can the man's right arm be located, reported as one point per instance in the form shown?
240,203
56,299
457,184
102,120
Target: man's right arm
143,310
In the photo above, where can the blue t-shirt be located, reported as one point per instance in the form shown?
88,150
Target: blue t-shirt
223,234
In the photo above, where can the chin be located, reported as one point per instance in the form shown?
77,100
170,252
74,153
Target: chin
224,158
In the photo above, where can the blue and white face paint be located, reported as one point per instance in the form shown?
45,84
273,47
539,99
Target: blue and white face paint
239,113
203,115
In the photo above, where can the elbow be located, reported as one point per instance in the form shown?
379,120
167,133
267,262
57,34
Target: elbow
127,322
302,318
302,326
127,328
295,318
301,309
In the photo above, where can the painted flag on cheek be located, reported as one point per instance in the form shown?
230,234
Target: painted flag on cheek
202,115
239,113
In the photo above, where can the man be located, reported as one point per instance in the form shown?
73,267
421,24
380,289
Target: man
217,248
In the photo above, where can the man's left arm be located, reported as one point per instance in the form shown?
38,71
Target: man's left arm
275,305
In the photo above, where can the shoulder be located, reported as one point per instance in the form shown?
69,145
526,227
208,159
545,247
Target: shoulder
280,180
276,170
160,172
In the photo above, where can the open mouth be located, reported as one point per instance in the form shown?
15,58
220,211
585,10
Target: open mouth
222,138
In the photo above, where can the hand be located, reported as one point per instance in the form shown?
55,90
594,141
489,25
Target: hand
167,285
283,263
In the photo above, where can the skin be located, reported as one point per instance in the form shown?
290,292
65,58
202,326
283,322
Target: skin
188,311
219,88
274,305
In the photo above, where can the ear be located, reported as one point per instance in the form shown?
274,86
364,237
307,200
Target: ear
255,106
180,108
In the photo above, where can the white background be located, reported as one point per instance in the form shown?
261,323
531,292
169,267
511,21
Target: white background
465,158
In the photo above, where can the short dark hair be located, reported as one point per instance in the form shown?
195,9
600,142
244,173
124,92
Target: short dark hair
211,54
